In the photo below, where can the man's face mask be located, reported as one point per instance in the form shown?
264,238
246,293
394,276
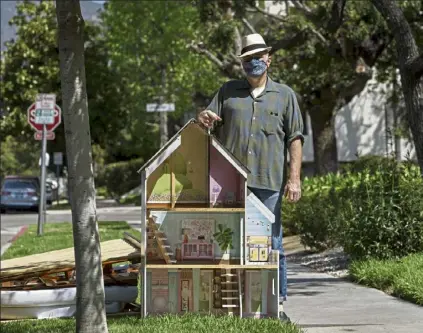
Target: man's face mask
254,67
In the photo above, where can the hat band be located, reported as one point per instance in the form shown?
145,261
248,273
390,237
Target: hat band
253,47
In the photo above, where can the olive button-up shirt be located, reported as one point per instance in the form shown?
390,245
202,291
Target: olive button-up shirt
258,130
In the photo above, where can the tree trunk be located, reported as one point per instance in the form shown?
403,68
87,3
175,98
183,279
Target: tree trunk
324,140
322,110
411,69
90,298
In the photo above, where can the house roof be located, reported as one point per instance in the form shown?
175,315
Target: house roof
171,145
260,206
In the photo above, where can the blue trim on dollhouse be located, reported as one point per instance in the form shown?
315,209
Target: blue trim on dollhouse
260,206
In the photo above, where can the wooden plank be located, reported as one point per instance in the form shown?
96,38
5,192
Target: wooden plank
238,272
172,184
178,205
203,209
60,260
131,240
264,291
177,266
196,288
143,250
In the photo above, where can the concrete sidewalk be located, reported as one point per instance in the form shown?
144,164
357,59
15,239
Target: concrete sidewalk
9,235
321,303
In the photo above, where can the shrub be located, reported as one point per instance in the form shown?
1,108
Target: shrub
120,177
369,163
315,216
383,217
372,211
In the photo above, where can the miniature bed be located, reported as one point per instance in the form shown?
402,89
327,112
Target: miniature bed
206,239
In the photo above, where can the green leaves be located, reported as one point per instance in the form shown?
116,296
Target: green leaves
375,209
224,237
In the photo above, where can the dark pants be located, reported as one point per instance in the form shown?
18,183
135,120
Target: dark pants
272,200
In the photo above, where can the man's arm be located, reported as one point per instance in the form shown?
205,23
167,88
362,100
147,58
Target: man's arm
294,128
293,188
212,113
296,157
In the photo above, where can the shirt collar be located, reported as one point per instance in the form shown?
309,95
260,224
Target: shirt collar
270,85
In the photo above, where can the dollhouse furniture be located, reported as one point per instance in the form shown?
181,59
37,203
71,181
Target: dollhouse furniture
191,188
197,250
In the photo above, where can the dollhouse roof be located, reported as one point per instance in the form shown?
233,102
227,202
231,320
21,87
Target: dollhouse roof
255,202
164,152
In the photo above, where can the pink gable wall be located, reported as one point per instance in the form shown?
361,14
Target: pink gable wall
224,177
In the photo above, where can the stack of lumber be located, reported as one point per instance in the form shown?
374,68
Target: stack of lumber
57,268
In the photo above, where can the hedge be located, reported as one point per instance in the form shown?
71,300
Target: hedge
373,213
121,177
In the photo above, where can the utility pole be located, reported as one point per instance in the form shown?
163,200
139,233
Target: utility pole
163,115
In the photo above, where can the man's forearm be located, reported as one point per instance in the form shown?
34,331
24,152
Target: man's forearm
296,156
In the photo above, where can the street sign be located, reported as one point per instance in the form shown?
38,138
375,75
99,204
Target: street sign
50,118
44,116
165,107
49,135
45,101
58,158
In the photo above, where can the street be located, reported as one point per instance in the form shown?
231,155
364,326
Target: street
12,222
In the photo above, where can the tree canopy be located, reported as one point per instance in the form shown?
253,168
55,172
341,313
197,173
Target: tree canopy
181,51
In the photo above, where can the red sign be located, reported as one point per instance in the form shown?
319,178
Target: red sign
49,136
49,127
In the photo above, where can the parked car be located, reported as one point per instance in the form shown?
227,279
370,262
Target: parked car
20,192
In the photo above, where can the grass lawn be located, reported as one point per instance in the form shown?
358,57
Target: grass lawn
165,324
402,278
61,206
57,236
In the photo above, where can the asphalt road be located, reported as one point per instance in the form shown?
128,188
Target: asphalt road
12,222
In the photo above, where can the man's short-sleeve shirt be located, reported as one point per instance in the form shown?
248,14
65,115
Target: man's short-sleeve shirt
258,130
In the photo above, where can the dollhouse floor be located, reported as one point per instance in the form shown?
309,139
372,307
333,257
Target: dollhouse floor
213,266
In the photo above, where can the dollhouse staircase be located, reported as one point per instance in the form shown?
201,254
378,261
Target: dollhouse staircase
154,234
231,290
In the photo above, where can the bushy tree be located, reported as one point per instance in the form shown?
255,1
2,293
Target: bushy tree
30,65
148,43
326,50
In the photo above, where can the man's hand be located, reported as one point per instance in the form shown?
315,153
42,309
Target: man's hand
292,190
207,118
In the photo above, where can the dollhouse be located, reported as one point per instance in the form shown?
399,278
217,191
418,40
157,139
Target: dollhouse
206,239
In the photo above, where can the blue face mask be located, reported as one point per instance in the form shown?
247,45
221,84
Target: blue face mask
255,67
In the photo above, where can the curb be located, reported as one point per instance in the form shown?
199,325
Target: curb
19,234
14,238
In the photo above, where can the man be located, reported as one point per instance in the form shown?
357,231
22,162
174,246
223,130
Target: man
257,120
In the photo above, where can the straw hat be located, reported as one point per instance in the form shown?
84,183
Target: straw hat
253,43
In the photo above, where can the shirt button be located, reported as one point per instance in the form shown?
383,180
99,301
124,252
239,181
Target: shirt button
252,135
254,118
249,152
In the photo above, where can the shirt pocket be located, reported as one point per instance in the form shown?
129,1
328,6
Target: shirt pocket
270,122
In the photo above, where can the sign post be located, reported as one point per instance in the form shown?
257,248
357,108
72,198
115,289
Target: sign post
42,204
44,116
